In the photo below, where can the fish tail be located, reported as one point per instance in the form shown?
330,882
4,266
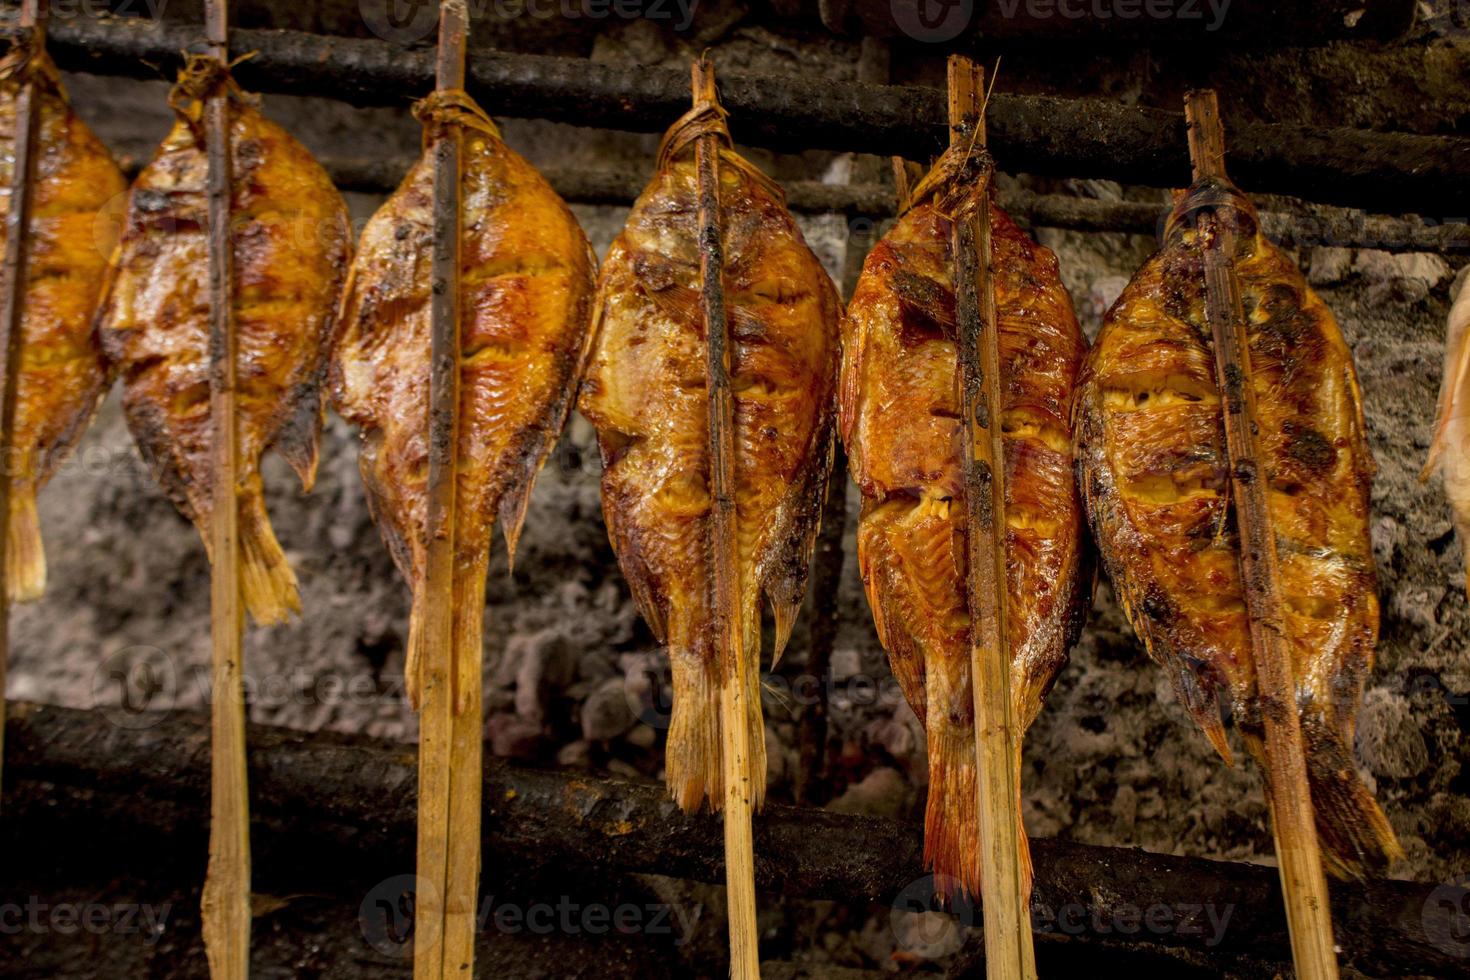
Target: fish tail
25,558
1355,835
696,745
951,823
694,732
266,578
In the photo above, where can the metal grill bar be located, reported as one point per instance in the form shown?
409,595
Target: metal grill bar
1388,172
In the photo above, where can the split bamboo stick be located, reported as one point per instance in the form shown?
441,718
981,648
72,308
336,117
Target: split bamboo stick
1303,886
729,639
450,744
1006,902
225,904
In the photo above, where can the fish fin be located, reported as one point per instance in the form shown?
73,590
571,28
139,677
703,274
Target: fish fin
513,505
1356,836
413,656
300,434
951,823
693,759
25,558
266,579
696,744
786,585
1201,698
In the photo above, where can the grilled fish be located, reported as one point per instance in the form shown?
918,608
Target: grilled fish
526,291
61,376
1450,451
645,393
1153,468
292,242
901,424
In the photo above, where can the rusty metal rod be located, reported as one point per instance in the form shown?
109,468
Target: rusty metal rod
869,200
1389,172
333,811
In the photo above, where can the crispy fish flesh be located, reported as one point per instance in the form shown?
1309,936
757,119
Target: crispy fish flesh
1450,451
525,293
292,243
645,393
901,424
1152,463
62,376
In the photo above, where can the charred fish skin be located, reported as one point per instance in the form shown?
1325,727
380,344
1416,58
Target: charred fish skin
61,375
1153,468
901,424
525,294
645,394
292,243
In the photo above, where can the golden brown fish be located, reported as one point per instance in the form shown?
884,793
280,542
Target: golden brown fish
1151,449
1449,454
901,424
292,242
61,375
645,393
526,293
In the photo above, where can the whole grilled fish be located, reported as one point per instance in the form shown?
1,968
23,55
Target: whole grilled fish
645,393
525,293
901,424
292,242
61,376
1153,467
1450,451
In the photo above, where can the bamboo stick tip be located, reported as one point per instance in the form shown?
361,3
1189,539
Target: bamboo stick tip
1206,133
702,80
966,98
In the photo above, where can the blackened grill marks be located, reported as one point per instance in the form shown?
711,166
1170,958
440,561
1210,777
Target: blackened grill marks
926,309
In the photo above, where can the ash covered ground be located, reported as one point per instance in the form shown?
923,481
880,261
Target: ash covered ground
1112,759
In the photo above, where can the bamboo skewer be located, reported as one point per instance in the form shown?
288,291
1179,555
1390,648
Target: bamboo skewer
729,640
1008,950
12,304
225,904
450,732
1303,886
